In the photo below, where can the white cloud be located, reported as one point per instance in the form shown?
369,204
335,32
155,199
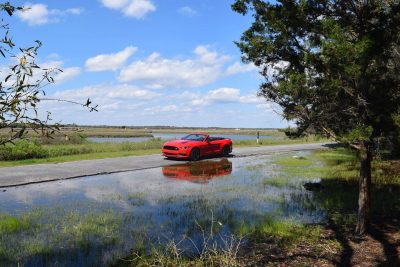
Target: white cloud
221,95
59,76
240,68
131,8
67,74
265,106
158,109
116,103
106,62
187,11
39,14
104,93
74,11
166,109
157,72
108,97
250,99
115,4
224,95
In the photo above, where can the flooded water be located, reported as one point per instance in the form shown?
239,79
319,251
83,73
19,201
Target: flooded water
96,220
171,136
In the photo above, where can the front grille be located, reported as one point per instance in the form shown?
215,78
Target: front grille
170,148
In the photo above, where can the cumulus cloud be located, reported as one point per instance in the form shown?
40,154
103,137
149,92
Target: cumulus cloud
205,67
240,68
39,14
107,92
131,8
66,73
187,11
108,97
166,109
224,95
106,62
59,76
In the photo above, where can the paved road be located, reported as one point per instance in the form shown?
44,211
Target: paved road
22,175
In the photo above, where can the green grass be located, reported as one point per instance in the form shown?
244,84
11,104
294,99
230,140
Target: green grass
97,155
9,224
287,232
47,232
278,141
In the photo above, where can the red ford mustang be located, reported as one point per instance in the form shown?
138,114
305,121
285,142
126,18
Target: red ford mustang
195,146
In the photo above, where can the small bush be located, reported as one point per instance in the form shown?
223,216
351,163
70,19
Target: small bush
22,149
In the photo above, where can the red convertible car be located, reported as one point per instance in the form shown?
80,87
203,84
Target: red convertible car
195,146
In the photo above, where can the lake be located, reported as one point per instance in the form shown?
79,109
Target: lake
172,136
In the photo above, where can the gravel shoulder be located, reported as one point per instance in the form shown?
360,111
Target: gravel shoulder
30,174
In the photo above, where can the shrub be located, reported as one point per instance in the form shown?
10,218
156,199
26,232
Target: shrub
22,149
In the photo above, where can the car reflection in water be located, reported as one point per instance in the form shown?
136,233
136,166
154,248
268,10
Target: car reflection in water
198,172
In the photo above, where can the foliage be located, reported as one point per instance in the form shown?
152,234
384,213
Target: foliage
331,65
21,87
333,68
22,149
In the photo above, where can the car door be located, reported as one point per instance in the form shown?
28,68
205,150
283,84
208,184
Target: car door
206,147
214,146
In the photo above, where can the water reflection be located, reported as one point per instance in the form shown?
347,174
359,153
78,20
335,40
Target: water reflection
98,220
198,172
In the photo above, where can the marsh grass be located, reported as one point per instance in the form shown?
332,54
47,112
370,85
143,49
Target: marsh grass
214,250
73,152
44,234
9,224
338,170
136,199
88,148
22,236
278,141
286,232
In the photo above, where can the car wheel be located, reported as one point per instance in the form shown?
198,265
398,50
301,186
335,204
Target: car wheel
225,151
194,154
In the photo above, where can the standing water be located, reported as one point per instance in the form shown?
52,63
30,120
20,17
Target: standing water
97,220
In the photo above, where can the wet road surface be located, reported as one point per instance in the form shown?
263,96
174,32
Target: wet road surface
30,174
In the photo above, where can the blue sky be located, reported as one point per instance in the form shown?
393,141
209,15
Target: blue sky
146,62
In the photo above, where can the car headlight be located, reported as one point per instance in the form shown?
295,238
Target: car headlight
184,147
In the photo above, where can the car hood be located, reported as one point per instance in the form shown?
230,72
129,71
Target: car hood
180,143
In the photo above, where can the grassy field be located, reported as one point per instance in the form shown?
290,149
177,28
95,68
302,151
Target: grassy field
92,132
146,132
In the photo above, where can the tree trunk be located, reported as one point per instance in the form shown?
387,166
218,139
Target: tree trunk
364,190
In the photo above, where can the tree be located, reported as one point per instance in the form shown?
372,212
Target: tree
21,88
332,67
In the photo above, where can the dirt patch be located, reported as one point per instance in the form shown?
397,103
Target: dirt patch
336,246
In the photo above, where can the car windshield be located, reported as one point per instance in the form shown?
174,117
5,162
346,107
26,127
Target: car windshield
194,137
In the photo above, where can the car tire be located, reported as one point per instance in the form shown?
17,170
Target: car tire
194,154
225,151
